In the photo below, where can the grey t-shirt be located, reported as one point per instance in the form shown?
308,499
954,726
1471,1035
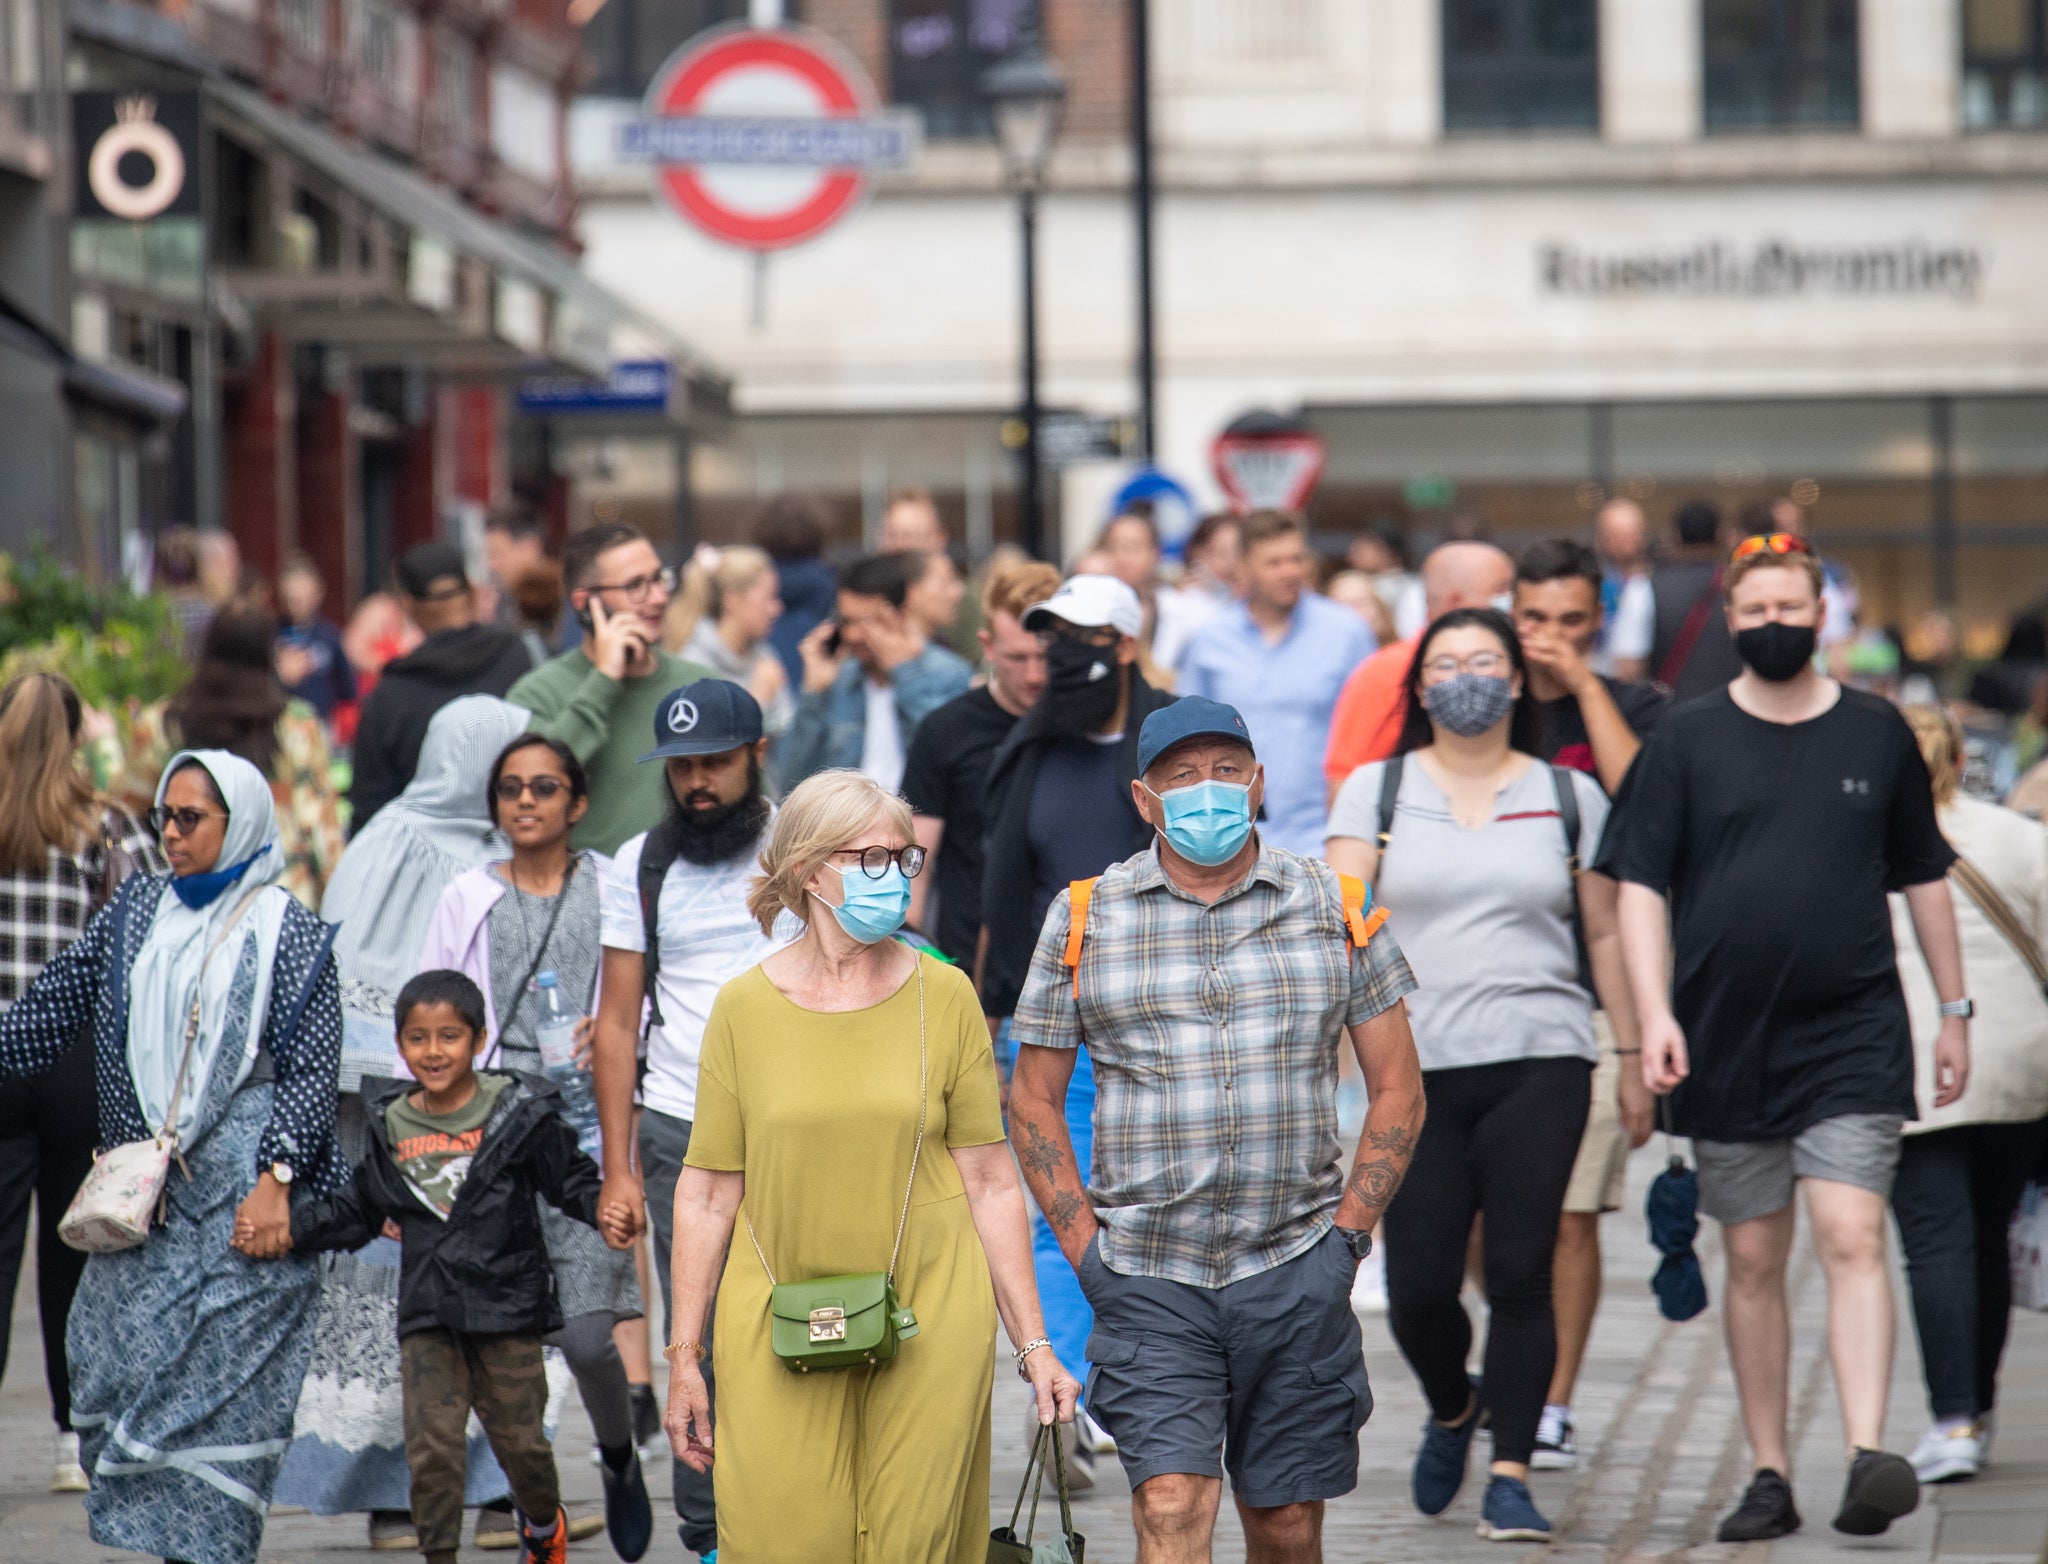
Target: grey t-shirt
1484,916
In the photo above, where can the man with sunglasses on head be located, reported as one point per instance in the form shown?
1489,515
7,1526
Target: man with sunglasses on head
458,657
601,697
676,928
1776,813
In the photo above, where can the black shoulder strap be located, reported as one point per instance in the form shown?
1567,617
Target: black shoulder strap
657,853
1568,814
1390,793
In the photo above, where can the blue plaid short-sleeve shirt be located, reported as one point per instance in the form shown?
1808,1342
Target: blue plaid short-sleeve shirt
1213,1031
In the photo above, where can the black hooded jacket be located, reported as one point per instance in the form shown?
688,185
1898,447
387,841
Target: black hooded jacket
484,1268
1010,867
474,660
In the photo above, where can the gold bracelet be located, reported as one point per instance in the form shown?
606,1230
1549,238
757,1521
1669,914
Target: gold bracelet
674,1347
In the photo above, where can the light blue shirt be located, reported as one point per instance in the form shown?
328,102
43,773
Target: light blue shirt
1286,692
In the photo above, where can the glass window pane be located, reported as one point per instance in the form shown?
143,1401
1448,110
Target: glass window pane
1521,65
1779,63
1997,26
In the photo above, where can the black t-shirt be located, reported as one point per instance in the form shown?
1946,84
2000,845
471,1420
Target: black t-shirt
1081,820
946,775
1777,843
1565,741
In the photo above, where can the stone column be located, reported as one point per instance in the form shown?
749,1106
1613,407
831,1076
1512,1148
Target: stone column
1911,55
1649,70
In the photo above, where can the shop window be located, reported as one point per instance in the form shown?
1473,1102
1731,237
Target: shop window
451,103
627,40
1512,65
2005,64
1779,64
939,50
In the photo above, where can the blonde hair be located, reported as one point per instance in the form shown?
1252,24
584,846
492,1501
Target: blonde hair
48,801
1941,745
1016,584
705,587
823,813
1807,565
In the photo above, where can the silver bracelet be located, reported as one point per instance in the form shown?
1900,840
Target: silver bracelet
1025,1351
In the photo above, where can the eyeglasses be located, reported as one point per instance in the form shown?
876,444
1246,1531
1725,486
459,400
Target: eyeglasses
186,820
1490,665
542,788
875,861
638,589
1770,543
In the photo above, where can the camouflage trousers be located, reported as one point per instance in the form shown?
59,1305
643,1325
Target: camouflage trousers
447,1374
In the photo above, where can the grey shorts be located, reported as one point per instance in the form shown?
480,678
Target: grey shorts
1264,1377
1741,1180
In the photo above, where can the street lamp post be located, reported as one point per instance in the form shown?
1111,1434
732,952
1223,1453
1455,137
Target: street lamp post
1026,95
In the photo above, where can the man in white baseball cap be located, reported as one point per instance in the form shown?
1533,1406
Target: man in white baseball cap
1091,603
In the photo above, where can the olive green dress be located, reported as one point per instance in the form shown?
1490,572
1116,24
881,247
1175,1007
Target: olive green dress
876,1466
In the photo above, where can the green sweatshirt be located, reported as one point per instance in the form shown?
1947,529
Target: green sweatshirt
609,723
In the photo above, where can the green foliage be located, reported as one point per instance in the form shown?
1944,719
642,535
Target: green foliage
114,646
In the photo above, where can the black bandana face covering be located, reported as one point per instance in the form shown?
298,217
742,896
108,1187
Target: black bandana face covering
1082,685
1776,651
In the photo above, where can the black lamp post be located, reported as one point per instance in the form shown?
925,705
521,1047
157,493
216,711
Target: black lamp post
1026,95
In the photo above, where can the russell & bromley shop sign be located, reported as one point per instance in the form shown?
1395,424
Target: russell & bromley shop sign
1767,269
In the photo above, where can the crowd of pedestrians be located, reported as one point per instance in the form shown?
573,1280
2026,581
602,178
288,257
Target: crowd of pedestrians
662,887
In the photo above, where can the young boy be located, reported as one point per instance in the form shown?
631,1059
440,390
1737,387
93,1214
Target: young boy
459,1159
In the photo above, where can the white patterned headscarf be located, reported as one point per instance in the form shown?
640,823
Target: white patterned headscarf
171,968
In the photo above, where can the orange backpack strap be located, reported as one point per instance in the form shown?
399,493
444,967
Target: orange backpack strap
1357,897
1079,893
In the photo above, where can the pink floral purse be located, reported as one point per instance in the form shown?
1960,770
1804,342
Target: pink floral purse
124,1194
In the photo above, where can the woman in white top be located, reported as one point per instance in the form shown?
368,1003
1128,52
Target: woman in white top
1472,847
1961,1168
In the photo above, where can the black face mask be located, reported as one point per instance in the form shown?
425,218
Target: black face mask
1776,651
718,835
1082,683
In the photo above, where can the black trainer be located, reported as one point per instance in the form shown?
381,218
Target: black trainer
1766,1511
1881,1488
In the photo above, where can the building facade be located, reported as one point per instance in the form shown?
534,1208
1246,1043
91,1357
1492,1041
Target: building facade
1508,257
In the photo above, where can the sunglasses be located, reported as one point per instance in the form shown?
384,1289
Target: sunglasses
1770,543
186,820
542,788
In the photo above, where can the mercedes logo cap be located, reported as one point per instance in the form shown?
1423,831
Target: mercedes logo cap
705,718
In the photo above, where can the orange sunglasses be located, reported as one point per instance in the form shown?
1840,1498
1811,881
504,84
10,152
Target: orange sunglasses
1770,543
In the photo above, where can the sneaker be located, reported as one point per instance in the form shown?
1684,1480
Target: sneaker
1508,1514
1440,1463
1766,1511
497,1526
1949,1452
554,1549
627,1514
67,1476
1094,1436
1881,1488
1557,1442
391,1531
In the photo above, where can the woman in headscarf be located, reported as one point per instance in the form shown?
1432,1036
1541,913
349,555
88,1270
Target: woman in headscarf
186,1355
348,1450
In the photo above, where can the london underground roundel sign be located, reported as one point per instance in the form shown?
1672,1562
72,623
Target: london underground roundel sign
764,137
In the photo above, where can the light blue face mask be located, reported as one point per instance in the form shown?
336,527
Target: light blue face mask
1208,822
873,909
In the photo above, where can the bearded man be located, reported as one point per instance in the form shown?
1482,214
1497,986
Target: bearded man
676,927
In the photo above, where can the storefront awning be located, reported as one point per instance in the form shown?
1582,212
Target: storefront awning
120,389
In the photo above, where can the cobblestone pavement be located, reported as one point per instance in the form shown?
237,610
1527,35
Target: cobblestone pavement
1663,1456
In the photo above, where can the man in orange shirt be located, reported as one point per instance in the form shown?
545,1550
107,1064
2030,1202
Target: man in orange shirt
1367,722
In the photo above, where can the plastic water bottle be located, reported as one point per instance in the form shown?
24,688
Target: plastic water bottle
555,1032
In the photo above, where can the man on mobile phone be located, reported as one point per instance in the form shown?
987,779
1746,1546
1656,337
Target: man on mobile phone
601,697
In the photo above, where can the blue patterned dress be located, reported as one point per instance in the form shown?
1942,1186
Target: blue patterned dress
186,1357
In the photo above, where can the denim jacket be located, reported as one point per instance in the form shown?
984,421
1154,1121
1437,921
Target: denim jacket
830,725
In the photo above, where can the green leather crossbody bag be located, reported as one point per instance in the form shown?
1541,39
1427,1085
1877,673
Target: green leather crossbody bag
842,1322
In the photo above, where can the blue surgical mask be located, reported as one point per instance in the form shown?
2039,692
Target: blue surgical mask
1207,823
873,909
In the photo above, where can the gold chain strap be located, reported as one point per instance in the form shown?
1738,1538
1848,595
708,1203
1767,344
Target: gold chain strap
916,1150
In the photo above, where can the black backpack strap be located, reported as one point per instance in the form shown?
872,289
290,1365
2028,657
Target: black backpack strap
1568,815
1390,793
657,853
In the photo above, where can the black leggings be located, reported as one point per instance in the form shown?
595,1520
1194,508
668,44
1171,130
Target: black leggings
1954,1198
1498,1138
49,1125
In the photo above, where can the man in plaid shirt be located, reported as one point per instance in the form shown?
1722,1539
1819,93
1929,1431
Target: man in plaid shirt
1213,981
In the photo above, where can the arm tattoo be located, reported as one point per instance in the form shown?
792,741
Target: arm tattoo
1397,1141
1066,1205
1038,1154
1376,1181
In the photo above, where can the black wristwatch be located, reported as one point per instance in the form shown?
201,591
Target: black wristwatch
1358,1240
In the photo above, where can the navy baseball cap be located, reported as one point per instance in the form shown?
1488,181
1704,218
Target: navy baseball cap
1190,717
705,718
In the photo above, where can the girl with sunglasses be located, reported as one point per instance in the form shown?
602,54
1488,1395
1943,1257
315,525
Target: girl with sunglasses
509,926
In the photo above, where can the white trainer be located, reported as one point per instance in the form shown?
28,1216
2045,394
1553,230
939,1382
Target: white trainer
1949,1453
68,1476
